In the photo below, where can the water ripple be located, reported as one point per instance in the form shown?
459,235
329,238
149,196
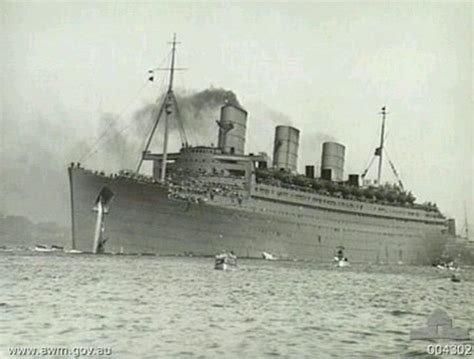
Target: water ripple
148,307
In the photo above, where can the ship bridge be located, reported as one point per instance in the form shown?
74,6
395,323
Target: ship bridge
204,160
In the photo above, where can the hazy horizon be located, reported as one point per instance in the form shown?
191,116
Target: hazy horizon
69,70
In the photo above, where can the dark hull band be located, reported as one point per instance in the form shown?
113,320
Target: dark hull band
143,218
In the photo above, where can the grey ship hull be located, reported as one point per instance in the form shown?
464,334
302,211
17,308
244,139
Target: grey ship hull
144,219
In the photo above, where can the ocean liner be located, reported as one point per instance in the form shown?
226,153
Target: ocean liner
205,199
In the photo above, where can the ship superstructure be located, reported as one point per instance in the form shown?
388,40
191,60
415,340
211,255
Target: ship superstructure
205,199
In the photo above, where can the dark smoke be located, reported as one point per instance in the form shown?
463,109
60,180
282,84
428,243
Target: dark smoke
123,143
208,99
120,149
144,118
198,110
36,151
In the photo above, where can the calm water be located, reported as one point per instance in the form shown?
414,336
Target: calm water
155,307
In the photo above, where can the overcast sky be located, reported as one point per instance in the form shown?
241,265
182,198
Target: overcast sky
325,68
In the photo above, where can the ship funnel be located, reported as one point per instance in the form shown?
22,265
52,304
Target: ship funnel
332,162
285,148
232,129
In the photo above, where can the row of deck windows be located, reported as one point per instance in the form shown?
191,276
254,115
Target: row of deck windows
333,202
336,229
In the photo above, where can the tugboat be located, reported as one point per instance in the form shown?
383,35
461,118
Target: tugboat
225,261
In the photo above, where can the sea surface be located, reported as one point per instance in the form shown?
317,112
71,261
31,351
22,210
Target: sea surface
178,307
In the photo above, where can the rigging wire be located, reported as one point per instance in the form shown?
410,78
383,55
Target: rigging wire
166,100
368,167
94,148
123,129
182,133
158,101
149,137
394,170
187,123
182,120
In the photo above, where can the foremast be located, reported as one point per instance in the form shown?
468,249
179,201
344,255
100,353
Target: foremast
168,105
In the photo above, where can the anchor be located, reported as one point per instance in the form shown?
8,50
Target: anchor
101,207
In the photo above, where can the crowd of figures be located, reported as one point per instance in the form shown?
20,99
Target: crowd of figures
197,190
386,194
187,184
124,174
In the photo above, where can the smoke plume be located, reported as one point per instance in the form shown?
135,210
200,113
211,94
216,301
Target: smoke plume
198,112
122,144
36,150
120,149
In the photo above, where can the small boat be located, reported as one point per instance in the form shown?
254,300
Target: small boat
344,262
455,278
268,256
340,260
42,248
225,261
448,266
73,251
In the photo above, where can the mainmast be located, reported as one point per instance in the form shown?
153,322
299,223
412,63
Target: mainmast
168,104
379,151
